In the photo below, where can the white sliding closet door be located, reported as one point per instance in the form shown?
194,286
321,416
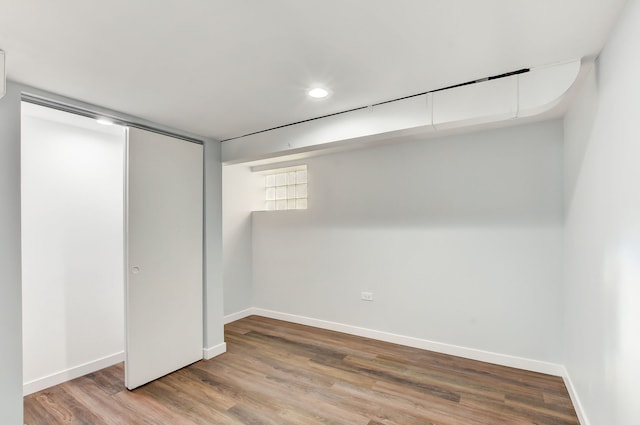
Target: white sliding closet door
164,256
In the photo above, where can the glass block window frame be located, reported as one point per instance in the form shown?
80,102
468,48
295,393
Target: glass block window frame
286,188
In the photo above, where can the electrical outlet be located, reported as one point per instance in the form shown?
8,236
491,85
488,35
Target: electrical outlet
366,296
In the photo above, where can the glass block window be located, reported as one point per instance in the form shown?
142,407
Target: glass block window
286,188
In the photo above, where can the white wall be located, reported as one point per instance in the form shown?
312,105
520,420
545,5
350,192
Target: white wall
72,245
10,269
239,194
602,275
213,288
459,239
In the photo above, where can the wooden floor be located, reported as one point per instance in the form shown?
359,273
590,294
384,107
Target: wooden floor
280,373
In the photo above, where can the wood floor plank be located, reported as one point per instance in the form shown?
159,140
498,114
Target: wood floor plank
276,372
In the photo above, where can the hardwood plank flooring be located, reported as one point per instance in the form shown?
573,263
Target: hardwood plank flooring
281,373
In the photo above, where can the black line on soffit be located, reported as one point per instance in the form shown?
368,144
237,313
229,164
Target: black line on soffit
494,77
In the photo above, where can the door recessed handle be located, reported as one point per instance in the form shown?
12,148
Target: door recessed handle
135,269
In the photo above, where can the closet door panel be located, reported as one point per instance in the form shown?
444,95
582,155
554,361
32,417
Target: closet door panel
164,240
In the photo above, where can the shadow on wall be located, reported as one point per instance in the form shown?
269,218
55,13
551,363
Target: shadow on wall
585,108
499,177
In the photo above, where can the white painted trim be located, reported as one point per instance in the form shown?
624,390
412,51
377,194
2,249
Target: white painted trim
239,315
72,373
216,350
577,405
439,347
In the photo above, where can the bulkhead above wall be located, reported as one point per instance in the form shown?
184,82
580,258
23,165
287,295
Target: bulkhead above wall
525,95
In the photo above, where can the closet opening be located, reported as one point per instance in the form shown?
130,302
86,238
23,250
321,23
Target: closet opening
72,171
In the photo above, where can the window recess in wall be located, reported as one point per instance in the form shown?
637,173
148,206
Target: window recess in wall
286,188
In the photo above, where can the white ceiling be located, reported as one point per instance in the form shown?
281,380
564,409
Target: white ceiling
225,68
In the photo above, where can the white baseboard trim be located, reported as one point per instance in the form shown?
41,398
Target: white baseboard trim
216,350
239,315
577,405
71,373
454,350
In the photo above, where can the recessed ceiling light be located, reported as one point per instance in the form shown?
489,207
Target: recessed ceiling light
104,121
318,93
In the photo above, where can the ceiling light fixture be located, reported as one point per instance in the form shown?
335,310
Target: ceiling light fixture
104,121
318,93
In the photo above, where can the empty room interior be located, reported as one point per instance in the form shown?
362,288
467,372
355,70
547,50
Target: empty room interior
305,212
